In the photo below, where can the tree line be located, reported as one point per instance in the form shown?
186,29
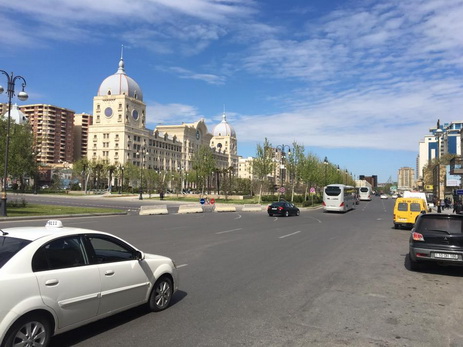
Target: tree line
301,171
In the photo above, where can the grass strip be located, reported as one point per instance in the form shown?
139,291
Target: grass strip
47,210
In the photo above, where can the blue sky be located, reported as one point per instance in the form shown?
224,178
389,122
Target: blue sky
360,82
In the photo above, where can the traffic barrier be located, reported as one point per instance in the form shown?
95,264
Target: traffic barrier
154,209
191,208
252,208
225,208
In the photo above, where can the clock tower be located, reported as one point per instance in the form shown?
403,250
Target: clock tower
119,120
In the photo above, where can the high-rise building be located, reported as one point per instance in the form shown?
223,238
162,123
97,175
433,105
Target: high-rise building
443,139
52,128
406,178
82,121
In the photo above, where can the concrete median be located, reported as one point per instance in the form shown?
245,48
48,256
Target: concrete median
154,209
252,208
224,208
191,208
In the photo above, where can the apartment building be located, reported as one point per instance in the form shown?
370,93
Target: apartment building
52,128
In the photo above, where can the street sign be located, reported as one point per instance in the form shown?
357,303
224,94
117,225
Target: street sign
281,190
202,201
459,191
212,201
312,190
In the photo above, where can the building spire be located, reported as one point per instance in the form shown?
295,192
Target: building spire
121,62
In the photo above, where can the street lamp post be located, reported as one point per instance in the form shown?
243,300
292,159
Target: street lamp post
141,173
122,178
282,150
22,95
325,162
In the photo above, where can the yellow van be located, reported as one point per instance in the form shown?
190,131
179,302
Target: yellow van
407,210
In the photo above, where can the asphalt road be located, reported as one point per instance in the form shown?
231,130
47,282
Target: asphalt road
320,279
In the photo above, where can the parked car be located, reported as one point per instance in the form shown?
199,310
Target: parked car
283,208
436,238
54,279
384,196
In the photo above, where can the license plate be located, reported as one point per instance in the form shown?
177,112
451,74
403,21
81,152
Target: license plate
446,256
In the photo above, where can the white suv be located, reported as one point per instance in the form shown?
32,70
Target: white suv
54,279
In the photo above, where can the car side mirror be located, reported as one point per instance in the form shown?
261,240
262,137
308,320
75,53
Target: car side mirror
139,255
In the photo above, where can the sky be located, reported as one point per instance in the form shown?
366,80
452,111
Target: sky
358,82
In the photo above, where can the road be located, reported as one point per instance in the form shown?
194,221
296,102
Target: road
320,279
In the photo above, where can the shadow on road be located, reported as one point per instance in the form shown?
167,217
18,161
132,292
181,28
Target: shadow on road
85,332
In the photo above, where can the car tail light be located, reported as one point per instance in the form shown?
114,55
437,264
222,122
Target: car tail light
417,236
422,255
280,208
342,204
324,203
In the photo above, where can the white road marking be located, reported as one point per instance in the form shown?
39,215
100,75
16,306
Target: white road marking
282,237
228,231
183,265
239,216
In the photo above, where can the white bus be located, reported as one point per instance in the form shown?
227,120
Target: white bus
365,193
339,197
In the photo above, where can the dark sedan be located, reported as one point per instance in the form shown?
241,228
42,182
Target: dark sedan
282,208
436,238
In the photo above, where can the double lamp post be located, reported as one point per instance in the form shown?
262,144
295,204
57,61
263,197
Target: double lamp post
22,95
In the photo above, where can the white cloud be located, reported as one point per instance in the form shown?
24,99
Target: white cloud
170,114
208,78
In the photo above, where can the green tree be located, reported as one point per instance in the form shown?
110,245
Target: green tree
203,163
263,164
294,166
22,159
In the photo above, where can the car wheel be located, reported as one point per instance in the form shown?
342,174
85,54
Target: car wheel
286,213
298,213
31,330
396,226
414,265
161,294
270,215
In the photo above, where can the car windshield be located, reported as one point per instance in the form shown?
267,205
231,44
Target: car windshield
9,246
447,225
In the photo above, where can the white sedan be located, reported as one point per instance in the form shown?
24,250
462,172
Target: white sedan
384,196
54,279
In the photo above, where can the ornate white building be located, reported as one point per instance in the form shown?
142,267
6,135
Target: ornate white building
119,135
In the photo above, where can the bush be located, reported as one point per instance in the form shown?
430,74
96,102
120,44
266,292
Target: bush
16,203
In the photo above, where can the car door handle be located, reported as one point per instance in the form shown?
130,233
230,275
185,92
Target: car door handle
52,282
109,273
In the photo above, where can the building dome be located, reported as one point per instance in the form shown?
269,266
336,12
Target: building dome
16,115
120,84
223,128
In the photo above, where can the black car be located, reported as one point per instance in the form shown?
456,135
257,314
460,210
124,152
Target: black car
436,238
282,208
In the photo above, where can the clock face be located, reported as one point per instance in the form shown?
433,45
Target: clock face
198,134
108,112
135,114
